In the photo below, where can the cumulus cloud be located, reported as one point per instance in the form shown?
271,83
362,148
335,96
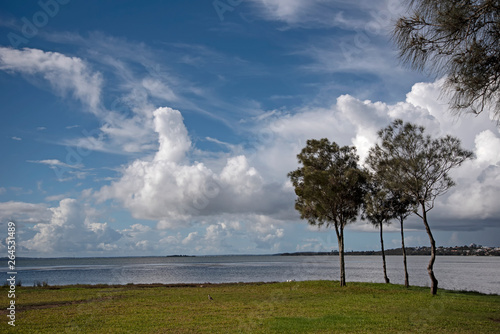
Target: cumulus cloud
487,148
228,234
170,189
173,136
175,192
70,230
355,122
161,188
250,189
244,179
478,193
267,232
348,122
65,74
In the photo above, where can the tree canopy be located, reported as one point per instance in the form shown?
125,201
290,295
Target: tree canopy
329,188
414,164
378,205
458,39
417,167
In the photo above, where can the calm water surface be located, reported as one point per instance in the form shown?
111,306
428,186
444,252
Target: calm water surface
469,273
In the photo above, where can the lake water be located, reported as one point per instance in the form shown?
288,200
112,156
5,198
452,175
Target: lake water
469,273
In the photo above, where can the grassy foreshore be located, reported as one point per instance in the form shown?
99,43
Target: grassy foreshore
295,307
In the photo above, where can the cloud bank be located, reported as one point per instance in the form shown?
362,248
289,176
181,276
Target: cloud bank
246,203
175,191
70,230
242,194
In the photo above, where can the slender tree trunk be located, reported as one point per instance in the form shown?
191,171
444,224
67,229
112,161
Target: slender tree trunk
383,254
430,267
342,261
407,279
340,239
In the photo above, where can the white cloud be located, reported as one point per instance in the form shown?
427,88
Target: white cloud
286,10
137,228
17,138
190,239
136,81
478,192
158,89
65,74
224,234
348,122
176,192
56,163
354,122
24,212
173,137
70,230
169,189
244,179
233,234
125,135
488,148
125,129
325,13
143,245
63,171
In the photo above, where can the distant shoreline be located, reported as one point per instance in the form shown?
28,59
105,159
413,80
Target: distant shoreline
472,250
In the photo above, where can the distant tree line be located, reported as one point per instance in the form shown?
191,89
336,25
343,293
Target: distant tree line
456,250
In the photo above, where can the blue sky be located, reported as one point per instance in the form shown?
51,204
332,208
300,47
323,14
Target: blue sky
157,128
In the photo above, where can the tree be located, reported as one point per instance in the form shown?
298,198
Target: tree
378,209
400,207
403,207
459,39
417,167
329,188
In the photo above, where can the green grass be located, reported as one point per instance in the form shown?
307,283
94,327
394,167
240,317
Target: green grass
296,307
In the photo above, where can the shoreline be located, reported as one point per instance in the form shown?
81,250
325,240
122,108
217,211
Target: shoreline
228,284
